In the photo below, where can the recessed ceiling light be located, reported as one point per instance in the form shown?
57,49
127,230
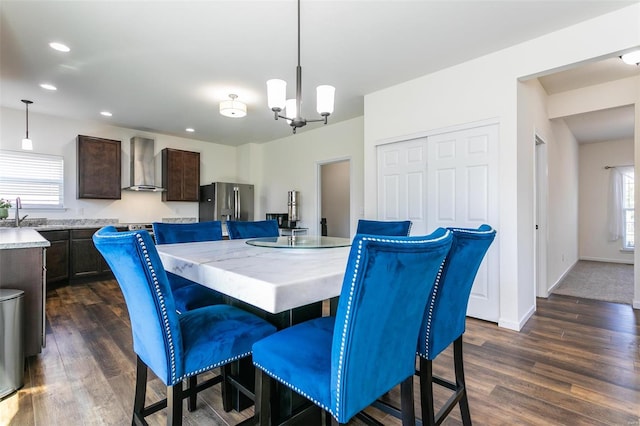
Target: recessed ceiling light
189,129
48,86
106,113
59,47
631,58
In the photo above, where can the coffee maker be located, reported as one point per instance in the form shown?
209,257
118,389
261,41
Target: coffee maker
292,208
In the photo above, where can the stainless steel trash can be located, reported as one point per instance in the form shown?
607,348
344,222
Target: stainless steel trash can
11,340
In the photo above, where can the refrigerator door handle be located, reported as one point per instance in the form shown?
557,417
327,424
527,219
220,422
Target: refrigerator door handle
236,207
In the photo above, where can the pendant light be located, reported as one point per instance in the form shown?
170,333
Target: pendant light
277,97
27,144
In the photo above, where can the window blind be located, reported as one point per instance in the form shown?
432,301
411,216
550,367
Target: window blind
38,179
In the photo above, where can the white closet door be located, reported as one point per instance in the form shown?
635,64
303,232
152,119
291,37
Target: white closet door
402,183
463,192
448,179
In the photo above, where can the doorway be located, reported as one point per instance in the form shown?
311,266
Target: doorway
335,198
583,109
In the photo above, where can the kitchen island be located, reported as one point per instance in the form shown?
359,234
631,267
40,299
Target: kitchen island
22,260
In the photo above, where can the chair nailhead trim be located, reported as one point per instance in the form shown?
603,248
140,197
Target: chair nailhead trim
214,365
473,231
163,307
432,302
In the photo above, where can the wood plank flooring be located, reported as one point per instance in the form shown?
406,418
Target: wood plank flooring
576,362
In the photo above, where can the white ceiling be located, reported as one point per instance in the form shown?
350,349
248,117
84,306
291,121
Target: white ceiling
597,126
162,66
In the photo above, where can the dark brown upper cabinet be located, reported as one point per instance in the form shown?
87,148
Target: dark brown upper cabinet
180,175
99,168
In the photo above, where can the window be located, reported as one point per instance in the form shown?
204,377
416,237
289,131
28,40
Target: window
36,178
628,238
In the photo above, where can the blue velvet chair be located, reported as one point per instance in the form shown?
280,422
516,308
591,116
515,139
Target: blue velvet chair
384,227
187,294
444,322
256,229
445,319
175,347
170,233
344,363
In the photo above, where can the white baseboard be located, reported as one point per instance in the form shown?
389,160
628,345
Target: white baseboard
564,274
601,259
636,304
517,326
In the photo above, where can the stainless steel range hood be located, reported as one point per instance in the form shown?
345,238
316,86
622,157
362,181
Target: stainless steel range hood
143,164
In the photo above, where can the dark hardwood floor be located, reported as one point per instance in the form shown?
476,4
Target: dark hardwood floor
576,362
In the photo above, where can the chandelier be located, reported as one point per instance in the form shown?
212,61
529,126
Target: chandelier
277,94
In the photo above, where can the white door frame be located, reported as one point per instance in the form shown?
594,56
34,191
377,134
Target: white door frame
540,214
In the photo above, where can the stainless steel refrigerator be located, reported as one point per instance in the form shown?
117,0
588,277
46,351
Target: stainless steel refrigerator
226,201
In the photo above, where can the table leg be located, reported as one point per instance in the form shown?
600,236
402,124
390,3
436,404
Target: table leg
285,402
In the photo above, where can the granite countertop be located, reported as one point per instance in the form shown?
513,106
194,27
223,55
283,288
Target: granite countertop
43,224
61,227
17,238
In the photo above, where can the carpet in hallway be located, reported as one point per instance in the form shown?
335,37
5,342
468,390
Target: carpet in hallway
611,282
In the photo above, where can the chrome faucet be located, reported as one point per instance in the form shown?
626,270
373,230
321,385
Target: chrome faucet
18,207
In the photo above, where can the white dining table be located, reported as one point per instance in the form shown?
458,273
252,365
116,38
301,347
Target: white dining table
272,279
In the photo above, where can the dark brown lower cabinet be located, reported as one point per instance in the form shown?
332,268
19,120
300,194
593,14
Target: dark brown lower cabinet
86,261
73,256
57,256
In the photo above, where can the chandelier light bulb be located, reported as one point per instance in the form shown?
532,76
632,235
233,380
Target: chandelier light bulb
276,94
325,96
290,109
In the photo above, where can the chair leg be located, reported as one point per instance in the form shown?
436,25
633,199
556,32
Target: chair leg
193,395
460,383
174,405
141,392
326,418
406,399
262,398
426,392
226,388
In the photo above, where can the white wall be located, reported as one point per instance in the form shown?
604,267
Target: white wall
487,88
594,189
57,136
558,224
292,163
563,166
275,167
